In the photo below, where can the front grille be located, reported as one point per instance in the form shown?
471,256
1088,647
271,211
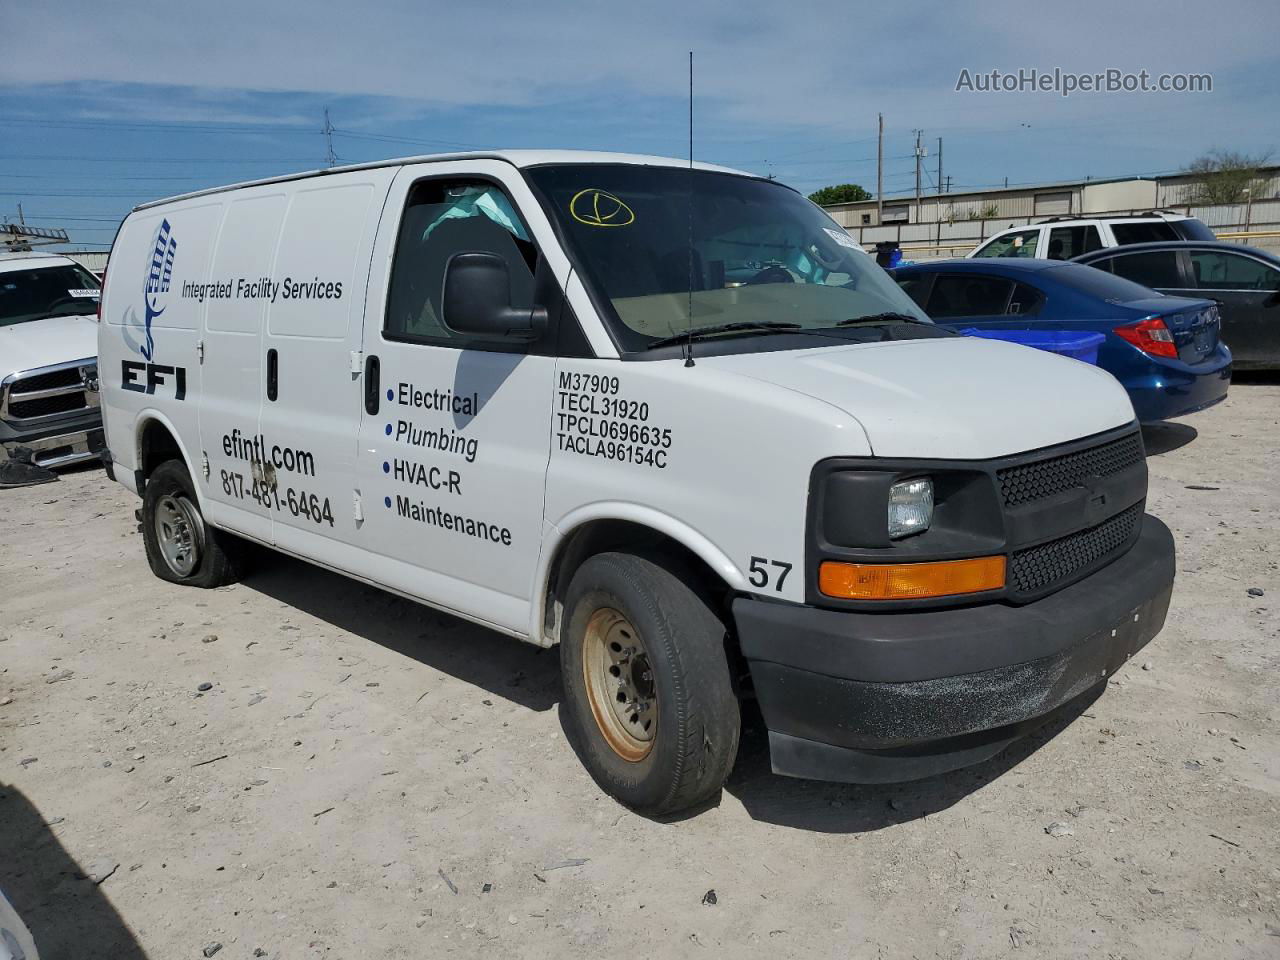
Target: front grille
70,377
44,406
1035,569
47,393
1043,478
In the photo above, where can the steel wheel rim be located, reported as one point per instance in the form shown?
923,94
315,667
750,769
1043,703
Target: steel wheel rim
619,680
177,526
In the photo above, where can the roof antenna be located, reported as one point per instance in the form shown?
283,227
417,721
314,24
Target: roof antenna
688,344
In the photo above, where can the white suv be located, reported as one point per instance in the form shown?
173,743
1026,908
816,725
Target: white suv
1062,238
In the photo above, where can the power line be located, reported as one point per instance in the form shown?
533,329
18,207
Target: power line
831,145
59,216
102,159
205,127
89,176
78,228
195,126
72,193
819,163
388,138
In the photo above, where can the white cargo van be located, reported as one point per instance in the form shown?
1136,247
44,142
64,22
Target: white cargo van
671,419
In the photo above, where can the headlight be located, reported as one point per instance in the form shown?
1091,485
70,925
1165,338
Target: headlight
910,507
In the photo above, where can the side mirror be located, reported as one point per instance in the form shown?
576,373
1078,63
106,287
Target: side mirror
477,300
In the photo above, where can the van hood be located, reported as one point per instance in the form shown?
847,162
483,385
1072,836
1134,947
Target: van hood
956,398
43,343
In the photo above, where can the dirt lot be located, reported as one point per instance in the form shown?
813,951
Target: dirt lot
367,778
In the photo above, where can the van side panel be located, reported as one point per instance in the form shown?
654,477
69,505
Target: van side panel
148,360
232,381
314,325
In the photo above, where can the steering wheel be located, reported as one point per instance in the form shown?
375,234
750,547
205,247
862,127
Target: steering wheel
772,274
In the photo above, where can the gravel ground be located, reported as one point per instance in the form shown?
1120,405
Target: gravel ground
367,778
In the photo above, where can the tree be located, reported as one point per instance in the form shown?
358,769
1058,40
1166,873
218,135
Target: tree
842,193
1223,176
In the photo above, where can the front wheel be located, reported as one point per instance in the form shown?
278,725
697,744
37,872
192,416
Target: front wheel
181,547
649,702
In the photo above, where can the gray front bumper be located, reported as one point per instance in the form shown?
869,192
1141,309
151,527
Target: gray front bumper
59,450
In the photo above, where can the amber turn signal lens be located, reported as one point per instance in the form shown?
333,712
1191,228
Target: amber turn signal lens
910,581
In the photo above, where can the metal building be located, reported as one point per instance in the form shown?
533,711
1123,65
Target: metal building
953,223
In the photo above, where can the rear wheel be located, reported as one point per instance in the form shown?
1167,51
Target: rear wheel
649,701
181,547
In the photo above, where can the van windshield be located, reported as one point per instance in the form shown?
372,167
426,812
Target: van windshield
752,252
56,290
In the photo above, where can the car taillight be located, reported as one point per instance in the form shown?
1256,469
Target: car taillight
101,290
1151,336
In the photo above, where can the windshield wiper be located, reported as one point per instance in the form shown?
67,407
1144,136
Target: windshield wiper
875,318
745,326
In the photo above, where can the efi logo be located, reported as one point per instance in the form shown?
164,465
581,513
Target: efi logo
159,273
148,377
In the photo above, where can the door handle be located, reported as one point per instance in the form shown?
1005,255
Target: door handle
372,389
273,371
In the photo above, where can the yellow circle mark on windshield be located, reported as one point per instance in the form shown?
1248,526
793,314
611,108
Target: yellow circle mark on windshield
596,208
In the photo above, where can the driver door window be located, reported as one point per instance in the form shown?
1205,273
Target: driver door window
441,218
1020,244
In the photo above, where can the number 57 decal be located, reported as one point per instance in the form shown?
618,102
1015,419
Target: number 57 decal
761,575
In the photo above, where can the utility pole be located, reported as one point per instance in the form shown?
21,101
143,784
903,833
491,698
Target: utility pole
939,186
20,220
880,170
919,155
330,157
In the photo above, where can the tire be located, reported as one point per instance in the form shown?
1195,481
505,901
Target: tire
678,681
170,517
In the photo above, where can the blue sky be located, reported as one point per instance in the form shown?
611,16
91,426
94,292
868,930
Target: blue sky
106,105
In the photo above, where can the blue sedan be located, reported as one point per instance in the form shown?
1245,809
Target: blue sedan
1165,351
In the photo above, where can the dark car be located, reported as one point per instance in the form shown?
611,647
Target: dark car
1164,350
1244,281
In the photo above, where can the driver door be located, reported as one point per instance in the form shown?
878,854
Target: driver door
454,435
